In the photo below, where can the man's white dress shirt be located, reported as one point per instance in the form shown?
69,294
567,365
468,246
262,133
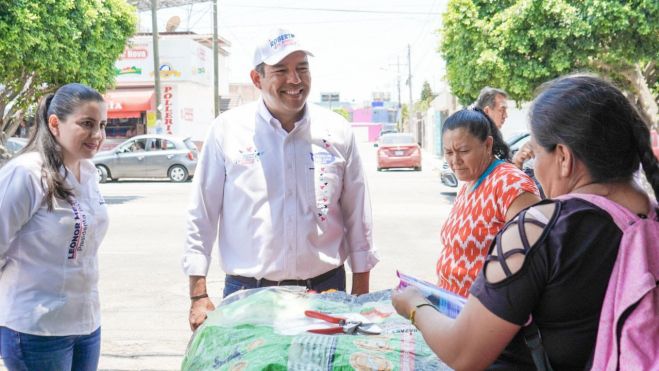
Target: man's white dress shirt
48,264
288,205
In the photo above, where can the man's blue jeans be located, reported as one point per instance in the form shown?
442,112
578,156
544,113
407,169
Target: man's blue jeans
336,282
24,352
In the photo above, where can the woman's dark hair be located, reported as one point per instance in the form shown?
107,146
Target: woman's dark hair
596,121
480,126
63,103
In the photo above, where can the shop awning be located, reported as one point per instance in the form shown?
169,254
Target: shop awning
128,103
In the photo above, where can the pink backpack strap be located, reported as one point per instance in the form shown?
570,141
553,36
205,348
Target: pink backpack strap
634,276
622,216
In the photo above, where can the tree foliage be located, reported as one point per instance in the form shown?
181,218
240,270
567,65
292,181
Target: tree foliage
47,43
426,98
426,93
404,117
518,45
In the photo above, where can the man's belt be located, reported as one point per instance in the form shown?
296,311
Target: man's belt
308,283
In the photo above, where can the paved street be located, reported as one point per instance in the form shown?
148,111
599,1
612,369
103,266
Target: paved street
144,294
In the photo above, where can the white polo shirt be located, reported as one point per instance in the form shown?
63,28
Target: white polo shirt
287,205
48,264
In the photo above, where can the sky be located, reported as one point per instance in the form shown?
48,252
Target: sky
358,45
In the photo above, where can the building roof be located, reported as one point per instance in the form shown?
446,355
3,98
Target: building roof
203,39
162,4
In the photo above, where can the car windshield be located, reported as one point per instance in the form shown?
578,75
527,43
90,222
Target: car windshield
397,139
191,146
516,137
160,144
519,143
15,144
138,145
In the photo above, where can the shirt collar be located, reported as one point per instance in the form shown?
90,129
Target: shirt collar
87,172
265,114
487,172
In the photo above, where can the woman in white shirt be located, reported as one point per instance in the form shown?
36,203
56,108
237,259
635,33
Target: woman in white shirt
53,221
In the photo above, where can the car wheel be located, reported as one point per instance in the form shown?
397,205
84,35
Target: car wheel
178,174
102,173
418,168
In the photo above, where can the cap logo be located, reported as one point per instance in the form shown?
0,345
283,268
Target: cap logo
273,49
282,41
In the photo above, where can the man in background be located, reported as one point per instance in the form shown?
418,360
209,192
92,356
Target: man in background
493,102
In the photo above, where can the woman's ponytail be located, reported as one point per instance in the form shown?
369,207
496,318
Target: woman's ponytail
644,149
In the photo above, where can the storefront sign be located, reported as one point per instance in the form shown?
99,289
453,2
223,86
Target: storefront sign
114,106
135,53
181,59
201,54
166,71
187,114
132,70
129,103
168,108
151,119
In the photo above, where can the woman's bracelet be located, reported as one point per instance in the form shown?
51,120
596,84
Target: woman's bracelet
413,312
201,296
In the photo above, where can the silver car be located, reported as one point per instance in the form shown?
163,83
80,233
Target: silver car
14,145
149,156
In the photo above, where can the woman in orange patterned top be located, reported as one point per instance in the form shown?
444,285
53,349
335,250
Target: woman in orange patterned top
493,193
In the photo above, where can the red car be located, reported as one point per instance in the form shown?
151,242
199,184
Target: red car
398,150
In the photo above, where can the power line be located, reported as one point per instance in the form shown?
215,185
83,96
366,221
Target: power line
201,17
334,10
331,21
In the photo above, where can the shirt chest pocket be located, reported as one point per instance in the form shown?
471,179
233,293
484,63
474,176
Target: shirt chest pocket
324,183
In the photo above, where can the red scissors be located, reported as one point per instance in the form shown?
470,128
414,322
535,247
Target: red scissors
345,325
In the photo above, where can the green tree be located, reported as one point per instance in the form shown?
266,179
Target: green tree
426,97
343,112
404,116
518,45
47,43
426,93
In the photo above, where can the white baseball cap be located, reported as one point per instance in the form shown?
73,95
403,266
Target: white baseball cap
280,44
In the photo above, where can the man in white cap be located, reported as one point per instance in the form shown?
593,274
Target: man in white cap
283,182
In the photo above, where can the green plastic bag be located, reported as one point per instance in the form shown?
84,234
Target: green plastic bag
266,329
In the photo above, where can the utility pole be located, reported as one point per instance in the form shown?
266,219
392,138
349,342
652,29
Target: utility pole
216,63
400,127
410,109
156,58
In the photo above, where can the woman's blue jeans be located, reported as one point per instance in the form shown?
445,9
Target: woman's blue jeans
25,352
